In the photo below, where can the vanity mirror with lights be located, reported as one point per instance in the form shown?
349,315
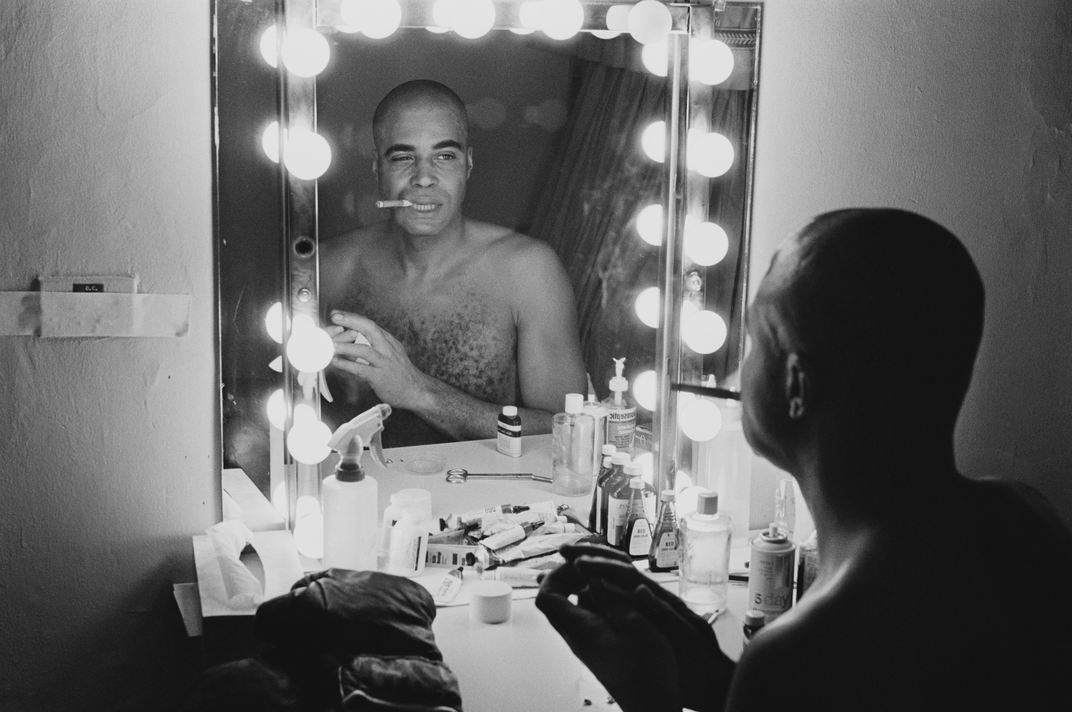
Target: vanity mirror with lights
621,134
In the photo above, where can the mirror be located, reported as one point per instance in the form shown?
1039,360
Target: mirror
556,133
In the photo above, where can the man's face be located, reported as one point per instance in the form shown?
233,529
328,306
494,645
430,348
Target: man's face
423,157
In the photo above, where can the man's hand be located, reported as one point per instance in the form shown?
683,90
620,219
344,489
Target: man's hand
704,672
624,650
383,363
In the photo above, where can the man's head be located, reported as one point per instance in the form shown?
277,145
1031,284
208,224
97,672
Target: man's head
868,316
421,131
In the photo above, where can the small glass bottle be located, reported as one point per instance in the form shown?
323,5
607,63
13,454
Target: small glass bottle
753,621
636,537
705,555
614,479
594,518
665,555
572,438
618,502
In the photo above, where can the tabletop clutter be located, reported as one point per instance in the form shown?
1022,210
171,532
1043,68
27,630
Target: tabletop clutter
495,548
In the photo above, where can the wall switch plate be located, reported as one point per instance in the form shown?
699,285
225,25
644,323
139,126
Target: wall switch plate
91,283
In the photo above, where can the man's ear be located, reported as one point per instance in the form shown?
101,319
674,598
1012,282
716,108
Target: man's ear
799,386
469,160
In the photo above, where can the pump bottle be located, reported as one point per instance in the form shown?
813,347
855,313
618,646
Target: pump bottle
621,411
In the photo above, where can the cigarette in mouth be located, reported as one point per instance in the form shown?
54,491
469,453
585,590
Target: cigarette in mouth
393,204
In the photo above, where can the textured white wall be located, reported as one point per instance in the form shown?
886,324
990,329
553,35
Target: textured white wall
108,447
962,111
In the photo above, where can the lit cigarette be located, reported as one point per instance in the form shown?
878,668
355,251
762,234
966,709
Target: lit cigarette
393,204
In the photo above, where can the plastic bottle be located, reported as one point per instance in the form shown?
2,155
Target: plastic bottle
509,432
350,512
572,437
618,502
599,433
636,538
621,411
408,544
705,555
606,467
615,478
665,554
753,621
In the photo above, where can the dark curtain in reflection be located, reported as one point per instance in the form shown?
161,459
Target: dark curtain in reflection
600,181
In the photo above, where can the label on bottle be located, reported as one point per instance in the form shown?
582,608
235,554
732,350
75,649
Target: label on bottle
617,508
509,439
639,536
621,427
770,579
667,553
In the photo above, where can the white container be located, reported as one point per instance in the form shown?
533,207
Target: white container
705,556
572,438
405,548
350,521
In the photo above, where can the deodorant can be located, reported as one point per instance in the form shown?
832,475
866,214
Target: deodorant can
770,573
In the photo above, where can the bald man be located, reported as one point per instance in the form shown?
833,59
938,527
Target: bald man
461,317
935,591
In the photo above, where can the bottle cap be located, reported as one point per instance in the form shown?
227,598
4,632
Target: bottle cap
607,461
754,618
620,458
574,403
636,483
667,495
608,450
618,382
633,469
510,410
707,502
774,533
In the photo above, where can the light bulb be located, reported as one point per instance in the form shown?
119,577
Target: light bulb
268,47
309,536
308,154
686,500
276,364
348,29
618,18
304,413
277,409
562,18
700,420
443,12
710,61
606,34
437,30
656,58
376,18
644,390
310,351
653,141
305,506
279,498
531,14
710,154
270,141
307,441
305,52
682,481
474,18
647,466
688,310
706,243
273,322
704,332
648,305
649,224
650,22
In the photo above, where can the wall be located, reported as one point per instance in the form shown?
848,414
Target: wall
108,446
961,111
107,459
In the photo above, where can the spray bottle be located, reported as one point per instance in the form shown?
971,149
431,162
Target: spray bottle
621,411
350,497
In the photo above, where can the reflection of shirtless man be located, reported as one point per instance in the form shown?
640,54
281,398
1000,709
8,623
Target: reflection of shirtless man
463,317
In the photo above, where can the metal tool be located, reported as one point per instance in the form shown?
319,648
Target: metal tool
459,476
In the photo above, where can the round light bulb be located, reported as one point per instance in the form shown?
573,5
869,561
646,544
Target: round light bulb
710,61
268,47
305,506
270,141
704,332
644,390
648,306
656,58
348,29
649,224
309,536
700,420
682,481
443,12
310,350
277,409
304,413
273,322
647,466
653,141
474,19
279,498
376,18
686,500
308,441
706,243
531,14
688,310
562,18
710,154
650,22
308,154
605,34
305,52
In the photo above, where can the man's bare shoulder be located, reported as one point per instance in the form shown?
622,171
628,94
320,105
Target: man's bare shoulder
523,260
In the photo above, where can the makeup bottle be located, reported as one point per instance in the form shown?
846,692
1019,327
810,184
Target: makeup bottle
572,438
509,432
615,478
665,554
753,621
621,411
605,469
705,556
636,538
619,500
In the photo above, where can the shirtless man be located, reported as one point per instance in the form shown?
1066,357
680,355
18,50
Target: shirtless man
935,591
462,317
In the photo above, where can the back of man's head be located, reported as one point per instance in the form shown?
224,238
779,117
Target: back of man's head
888,303
418,92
